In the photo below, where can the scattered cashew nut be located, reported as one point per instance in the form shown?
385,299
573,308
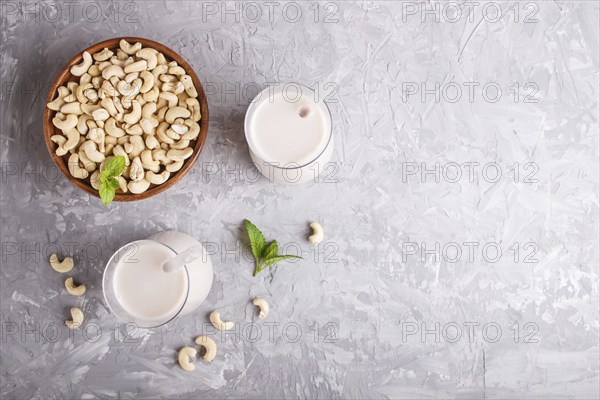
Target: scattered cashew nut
209,345
75,290
76,318
215,319
263,305
61,266
317,235
184,358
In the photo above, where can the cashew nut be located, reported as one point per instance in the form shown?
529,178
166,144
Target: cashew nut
135,115
151,95
215,319
178,155
72,139
70,121
110,126
95,180
192,134
74,168
317,235
209,345
79,92
174,167
89,165
138,145
194,106
77,318
75,290
130,48
60,140
157,179
136,171
113,70
174,87
138,187
137,66
188,84
118,150
59,101
128,90
176,112
185,354
146,157
61,266
103,55
263,306
89,147
151,142
83,67
149,55
100,114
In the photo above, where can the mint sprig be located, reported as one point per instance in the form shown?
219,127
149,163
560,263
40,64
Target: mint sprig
113,168
264,254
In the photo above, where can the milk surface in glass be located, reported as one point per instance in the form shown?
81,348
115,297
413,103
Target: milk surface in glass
143,289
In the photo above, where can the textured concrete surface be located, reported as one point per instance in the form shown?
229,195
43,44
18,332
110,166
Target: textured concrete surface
461,254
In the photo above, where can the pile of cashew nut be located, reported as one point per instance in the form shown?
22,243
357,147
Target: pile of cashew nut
132,103
64,266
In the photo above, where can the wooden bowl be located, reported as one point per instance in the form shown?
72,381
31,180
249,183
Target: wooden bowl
65,76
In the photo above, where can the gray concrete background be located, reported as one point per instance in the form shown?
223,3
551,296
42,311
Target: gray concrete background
368,314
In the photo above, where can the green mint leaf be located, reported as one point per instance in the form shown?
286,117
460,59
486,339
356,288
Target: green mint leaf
104,175
268,262
276,259
113,183
115,165
107,193
257,240
270,251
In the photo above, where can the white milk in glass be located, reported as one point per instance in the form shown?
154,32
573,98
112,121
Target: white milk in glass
137,289
288,130
143,289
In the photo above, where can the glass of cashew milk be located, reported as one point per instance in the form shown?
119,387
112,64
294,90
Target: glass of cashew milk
150,282
289,132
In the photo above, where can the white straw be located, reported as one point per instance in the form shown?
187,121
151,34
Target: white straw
183,258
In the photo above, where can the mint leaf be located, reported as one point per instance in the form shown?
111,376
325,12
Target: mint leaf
257,240
276,259
115,165
113,183
104,175
107,193
262,251
270,250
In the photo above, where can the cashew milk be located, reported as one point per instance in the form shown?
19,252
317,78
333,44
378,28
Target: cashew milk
288,129
143,289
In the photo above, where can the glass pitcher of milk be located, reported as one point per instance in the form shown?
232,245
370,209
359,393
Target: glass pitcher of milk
289,133
139,289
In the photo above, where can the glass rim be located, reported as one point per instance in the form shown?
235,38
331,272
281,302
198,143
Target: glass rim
133,319
253,103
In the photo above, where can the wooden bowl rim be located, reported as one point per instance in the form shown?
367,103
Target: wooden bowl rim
65,76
